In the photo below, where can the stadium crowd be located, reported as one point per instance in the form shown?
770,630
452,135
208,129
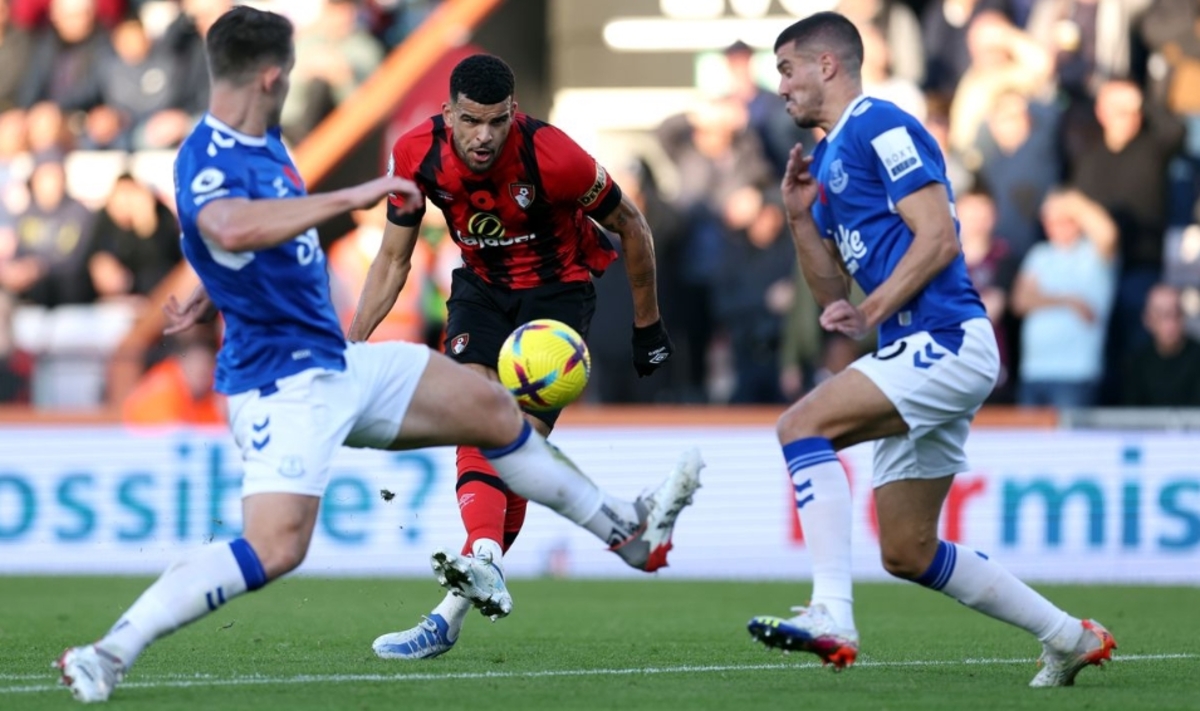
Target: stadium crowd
1071,131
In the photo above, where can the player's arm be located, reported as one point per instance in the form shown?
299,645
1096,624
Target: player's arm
240,224
935,246
385,279
819,261
637,244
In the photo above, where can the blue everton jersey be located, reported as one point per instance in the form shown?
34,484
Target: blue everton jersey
279,318
874,157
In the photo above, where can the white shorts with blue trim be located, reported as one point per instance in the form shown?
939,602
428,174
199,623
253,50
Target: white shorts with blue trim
937,390
288,434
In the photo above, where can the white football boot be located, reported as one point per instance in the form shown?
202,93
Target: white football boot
89,672
657,513
1095,646
476,578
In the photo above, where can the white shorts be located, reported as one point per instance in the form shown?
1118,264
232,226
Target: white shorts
288,436
937,392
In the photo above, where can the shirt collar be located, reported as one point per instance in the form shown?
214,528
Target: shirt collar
850,108
215,123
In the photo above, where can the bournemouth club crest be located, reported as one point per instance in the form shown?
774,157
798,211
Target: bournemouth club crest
523,193
458,344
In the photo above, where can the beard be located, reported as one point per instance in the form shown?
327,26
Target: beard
805,115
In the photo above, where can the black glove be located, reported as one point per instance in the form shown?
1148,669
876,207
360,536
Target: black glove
651,348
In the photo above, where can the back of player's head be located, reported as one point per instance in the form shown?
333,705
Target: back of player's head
482,78
245,40
826,32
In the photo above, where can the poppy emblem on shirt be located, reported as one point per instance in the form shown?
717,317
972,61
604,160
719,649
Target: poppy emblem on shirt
458,344
523,193
293,176
821,196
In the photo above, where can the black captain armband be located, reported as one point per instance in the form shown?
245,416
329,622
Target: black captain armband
409,219
601,209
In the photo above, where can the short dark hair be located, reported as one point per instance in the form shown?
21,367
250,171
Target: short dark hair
245,39
482,78
829,30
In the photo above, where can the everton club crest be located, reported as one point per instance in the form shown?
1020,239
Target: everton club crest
522,193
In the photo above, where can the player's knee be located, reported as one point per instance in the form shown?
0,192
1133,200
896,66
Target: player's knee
504,415
799,421
907,559
281,554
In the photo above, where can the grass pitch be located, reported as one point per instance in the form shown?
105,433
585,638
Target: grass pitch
306,644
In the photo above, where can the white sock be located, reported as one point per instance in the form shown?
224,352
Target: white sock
983,585
823,501
453,610
190,589
535,469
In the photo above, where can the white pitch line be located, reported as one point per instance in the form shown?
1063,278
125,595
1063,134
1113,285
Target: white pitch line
199,680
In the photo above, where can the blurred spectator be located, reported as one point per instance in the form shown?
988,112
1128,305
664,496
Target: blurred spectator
1127,173
989,265
1064,291
1091,40
715,154
753,292
1003,58
944,26
47,129
136,242
334,55
1171,31
394,20
134,87
34,13
15,48
1165,372
613,377
13,196
179,389
64,66
937,122
765,112
800,347
50,264
899,31
184,42
878,79
16,366
1018,161
837,353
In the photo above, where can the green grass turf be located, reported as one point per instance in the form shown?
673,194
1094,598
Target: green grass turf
688,640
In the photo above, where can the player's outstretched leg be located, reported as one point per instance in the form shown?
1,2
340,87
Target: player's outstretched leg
638,531
908,514
190,589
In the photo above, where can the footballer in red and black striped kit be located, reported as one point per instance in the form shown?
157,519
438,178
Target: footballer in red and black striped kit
526,204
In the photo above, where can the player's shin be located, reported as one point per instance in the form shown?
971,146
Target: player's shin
824,505
482,503
191,588
983,585
535,469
